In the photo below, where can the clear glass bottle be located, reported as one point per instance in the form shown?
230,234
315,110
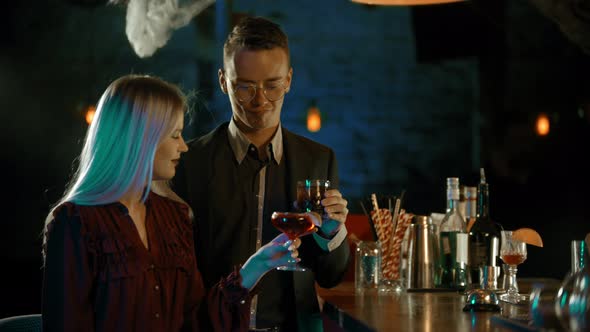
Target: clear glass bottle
482,232
452,224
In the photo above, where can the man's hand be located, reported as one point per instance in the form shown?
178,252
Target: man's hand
336,211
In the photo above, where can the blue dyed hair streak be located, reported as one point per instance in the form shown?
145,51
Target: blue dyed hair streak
133,115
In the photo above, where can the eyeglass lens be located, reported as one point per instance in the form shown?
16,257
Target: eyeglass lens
246,93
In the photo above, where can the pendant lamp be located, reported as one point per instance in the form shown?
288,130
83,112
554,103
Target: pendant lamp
403,2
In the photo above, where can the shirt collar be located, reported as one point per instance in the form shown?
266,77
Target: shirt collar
240,143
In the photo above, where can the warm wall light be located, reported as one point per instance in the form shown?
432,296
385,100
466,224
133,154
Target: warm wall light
90,114
314,119
403,2
542,125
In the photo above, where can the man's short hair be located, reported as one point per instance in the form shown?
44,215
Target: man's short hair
255,33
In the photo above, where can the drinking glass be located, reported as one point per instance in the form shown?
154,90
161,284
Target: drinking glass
367,267
578,306
573,297
513,252
293,225
310,193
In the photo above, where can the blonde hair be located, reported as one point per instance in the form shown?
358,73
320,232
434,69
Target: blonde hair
133,115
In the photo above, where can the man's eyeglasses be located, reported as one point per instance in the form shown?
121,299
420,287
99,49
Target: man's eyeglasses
246,92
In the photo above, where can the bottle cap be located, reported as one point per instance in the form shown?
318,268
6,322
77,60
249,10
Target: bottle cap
482,175
453,182
453,188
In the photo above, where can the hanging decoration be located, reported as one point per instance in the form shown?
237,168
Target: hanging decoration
403,2
150,23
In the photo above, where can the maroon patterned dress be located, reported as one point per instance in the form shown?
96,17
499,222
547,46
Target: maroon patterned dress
99,276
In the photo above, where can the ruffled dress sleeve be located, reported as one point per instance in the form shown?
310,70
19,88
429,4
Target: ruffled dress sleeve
228,304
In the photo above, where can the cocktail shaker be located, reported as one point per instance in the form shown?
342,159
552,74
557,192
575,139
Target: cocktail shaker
423,253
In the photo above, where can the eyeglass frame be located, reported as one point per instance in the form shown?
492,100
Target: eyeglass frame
256,87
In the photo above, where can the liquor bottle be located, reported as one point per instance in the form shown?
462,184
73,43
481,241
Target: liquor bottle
452,224
484,235
470,215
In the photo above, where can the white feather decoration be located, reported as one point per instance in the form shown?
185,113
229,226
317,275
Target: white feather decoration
150,23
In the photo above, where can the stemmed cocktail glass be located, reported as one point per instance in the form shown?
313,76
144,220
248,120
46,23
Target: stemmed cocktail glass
309,214
293,225
513,253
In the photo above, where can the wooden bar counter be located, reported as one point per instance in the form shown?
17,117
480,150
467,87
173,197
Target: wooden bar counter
417,311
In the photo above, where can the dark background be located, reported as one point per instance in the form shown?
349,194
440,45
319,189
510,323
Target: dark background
408,96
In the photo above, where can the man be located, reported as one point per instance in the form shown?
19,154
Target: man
235,177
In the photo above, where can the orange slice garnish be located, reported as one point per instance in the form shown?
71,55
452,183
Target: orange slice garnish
528,236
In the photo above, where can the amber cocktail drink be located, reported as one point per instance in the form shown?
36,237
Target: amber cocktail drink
293,225
513,259
513,253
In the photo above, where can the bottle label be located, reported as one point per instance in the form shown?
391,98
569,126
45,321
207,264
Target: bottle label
446,245
478,253
447,258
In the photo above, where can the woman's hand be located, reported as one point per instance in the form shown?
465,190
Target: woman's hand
276,253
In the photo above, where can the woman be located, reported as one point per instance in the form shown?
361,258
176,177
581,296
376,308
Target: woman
119,257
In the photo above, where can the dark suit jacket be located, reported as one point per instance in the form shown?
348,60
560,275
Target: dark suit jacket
206,166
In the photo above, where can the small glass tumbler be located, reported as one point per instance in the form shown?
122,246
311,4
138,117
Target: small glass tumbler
310,193
367,271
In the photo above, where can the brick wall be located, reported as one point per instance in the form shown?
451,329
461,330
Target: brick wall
394,123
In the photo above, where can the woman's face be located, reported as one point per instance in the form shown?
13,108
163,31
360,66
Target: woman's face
168,152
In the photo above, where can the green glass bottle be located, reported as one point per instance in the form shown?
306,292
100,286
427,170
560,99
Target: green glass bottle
452,224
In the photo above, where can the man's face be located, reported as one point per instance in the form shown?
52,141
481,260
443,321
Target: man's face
263,69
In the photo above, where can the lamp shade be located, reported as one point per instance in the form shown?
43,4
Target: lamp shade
314,119
89,116
403,2
542,125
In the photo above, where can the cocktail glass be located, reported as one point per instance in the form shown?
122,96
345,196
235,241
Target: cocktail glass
513,253
293,225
